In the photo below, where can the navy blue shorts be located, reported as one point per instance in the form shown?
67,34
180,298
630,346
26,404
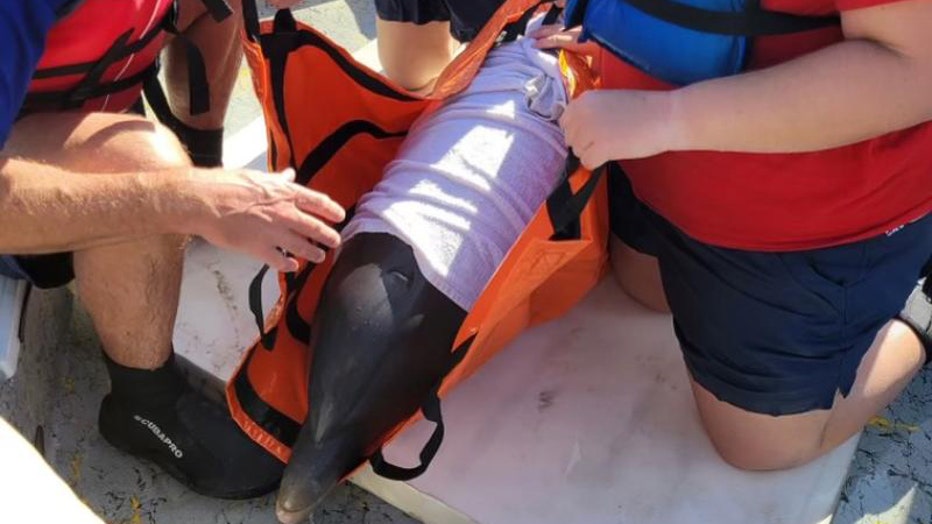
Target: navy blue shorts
43,271
775,333
466,17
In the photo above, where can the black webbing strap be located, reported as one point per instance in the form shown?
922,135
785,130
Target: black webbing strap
84,67
90,84
298,327
72,99
517,28
553,15
155,96
219,10
333,143
267,339
431,410
251,20
271,420
750,22
284,21
564,207
198,86
21,327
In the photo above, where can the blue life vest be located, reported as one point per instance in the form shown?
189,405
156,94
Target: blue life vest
685,41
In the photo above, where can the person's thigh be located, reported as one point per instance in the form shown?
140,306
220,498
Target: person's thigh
774,341
102,143
632,246
95,142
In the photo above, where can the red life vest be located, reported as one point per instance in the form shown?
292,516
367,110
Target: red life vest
97,57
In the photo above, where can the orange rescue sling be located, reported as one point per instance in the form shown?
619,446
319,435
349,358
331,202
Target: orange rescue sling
338,124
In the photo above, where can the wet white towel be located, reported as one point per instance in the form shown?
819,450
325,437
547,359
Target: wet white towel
470,176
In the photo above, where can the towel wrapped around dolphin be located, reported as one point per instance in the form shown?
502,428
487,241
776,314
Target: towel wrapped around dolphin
458,237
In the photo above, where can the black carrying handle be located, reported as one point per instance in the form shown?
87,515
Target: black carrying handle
267,339
251,20
564,208
198,85
431,410
519,27
219,10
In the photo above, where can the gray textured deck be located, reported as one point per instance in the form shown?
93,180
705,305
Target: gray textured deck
891,478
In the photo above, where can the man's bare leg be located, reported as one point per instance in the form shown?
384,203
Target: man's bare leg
219,43
131,290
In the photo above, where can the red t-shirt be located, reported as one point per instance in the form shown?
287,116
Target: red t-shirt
783,202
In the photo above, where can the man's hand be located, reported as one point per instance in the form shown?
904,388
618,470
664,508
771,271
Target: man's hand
619,124
266,216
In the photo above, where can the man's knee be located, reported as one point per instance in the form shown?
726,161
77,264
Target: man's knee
98,143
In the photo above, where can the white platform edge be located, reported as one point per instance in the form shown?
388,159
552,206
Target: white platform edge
409,499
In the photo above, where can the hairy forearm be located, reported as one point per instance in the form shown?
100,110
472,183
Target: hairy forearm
46,209
842,94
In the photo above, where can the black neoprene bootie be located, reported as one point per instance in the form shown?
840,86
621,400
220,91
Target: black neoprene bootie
158,416
204,146
918,313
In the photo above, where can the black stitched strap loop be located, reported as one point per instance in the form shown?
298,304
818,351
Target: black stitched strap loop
267,339
198,86
251,20
431,410
517,28
564,207
219,10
